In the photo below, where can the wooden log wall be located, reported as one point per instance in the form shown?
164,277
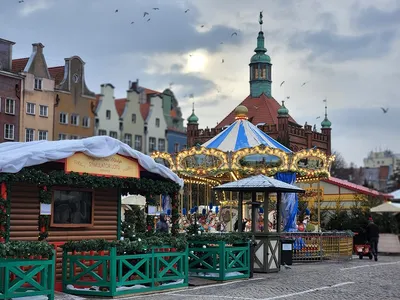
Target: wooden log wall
25,209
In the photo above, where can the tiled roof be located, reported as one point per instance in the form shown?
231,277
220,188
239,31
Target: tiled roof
96,102
355,187
18,65
145,109
261,110
57,73
173,113
120,105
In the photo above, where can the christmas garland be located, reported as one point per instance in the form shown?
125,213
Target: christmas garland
45,181
140,243
4,213
229,238
22,249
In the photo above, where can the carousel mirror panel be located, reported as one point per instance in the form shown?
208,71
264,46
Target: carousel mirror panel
164,159
312,162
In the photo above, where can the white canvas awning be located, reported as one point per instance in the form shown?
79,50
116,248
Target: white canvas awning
387,207
133,200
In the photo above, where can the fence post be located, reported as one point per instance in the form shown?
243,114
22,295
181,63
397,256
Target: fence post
113,271
51,277
222,259
321,252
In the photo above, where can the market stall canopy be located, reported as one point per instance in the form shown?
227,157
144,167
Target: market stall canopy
133,200
387,207
15,155
259,183
242,134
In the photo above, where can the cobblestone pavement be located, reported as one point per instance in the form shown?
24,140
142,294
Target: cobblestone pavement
356,279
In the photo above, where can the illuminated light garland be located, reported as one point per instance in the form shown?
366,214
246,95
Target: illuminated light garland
312,153
166,156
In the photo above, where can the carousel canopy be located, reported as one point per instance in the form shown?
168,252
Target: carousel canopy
259,183
15,156
242,134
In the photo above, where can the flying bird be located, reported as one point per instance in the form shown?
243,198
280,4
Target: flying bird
132,22
282,83
235,33
116,10
148,20
318,117
21,1
156,8
202,26
288,97
384,110
221,43
187,10
304,83
145,14
223,60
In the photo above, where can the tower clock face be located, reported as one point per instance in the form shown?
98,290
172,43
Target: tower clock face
75,78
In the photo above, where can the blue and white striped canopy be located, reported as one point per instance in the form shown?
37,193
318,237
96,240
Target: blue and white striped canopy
242,134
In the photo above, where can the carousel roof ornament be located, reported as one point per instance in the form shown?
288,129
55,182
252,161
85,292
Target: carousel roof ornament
14,156
242,134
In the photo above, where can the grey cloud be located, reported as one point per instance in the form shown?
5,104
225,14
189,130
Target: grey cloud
329,46
176,67
374,18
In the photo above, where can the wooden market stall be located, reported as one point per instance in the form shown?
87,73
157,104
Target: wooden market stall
71,190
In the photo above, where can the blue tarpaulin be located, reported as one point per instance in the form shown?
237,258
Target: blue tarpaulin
290,202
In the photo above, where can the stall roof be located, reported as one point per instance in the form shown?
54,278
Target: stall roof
396,195
259,183
16,155
387,207
355,187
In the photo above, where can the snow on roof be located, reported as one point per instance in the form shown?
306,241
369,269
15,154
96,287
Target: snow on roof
395,194
16,155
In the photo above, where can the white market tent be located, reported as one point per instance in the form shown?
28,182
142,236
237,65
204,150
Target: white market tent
396,195
387,207
16,155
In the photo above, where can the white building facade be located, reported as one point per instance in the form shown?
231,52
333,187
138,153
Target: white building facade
107,120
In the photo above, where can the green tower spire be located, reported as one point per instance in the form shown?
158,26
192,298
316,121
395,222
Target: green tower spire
326,123
283,111
260,67
193,119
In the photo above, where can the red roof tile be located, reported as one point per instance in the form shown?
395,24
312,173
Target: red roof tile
355,187
120,106
173,113
57,73
18,65
145,107
96,102
261,110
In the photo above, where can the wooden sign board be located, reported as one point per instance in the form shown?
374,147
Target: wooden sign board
115,165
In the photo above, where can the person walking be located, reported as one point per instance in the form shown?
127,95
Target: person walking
162,226
373,237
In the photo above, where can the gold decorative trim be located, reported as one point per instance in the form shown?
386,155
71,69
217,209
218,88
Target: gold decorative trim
166,156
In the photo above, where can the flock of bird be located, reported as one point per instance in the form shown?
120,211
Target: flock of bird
384,110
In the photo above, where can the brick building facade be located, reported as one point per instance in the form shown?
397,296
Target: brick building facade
266,113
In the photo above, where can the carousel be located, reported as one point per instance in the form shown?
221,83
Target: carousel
240,151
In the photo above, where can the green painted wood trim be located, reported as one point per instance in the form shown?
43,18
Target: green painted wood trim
119,217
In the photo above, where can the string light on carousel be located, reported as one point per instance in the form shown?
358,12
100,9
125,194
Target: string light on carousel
239,151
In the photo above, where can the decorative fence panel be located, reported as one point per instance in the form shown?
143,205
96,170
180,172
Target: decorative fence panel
109,274
218,260
27,277
319,246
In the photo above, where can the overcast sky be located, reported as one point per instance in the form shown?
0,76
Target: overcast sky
347,51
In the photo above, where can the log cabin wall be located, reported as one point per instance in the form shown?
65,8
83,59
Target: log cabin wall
25,210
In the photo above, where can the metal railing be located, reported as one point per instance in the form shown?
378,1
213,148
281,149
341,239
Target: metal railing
320,246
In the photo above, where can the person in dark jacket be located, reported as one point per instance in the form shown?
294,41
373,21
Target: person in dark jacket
373,237
162,225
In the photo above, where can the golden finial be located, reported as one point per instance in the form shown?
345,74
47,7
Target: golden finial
241,112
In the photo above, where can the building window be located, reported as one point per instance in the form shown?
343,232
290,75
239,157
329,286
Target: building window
29,135
183,147
63,118
42,135
161,145
0,104
72,208
43,110
9,131
10,107
133,118
263,72
30,108
152,144
75,119
157,122
38,83
114,134
102,132
86,122
62,136
138,142
74,137
176,147
128,139
108,114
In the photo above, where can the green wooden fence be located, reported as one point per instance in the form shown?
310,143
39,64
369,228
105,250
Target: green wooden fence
218,260
27,277
116,275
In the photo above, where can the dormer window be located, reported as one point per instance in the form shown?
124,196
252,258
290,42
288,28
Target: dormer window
38,84
108,114
157,122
